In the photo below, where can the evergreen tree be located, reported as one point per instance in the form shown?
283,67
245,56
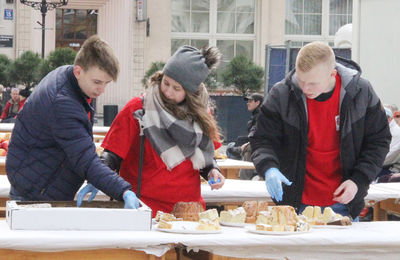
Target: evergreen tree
57,58
5,64
25,69
243,75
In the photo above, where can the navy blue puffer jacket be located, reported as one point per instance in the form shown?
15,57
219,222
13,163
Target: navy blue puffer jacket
51,151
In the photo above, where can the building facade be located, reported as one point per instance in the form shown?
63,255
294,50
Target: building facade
145,31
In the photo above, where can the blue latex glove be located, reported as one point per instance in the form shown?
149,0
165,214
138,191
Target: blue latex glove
213,182
273,180
131,201
82,193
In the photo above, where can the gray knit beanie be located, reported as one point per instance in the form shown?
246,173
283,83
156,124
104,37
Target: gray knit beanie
187,66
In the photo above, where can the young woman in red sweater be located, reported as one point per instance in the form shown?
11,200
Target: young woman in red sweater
180,134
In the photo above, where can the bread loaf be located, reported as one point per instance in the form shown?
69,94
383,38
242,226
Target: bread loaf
188,211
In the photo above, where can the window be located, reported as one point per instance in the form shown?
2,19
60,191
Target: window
190,16
310,20
235,16
340,13
227,24
74,26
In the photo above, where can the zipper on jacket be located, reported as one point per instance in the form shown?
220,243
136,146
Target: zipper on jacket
303,147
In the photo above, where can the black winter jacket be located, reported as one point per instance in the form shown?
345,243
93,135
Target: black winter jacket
253,119
280,139
51,150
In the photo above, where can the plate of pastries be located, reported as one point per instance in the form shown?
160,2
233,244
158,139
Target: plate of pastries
189,218
254,216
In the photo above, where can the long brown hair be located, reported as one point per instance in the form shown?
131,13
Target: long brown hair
194,107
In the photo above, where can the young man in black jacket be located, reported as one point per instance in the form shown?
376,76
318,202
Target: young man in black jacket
322,132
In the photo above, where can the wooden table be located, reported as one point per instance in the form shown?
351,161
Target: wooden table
382,208
99,254
230,168
2,165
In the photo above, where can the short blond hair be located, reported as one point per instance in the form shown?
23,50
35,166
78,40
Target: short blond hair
95,52
313,54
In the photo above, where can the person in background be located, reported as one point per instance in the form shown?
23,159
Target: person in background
12,106
51,151
395,111
179,133
322,134
23,95
234,150
391,166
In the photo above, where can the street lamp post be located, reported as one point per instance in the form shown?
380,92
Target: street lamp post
44,6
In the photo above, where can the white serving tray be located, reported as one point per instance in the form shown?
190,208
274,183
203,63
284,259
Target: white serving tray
96,215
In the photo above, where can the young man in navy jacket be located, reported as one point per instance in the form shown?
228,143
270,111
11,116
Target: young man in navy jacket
51,150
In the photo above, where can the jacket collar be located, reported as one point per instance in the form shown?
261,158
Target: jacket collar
348,70
83,99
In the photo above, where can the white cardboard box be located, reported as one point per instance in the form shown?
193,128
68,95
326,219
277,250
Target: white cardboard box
73,218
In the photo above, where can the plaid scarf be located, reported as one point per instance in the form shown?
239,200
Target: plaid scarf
174,140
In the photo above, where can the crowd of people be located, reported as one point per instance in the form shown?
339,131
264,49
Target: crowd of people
9,107
320,137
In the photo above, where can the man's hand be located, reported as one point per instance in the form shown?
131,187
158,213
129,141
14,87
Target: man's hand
345,192
216,179
273,181
89,188
131,201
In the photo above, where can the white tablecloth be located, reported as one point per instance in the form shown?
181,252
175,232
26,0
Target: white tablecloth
239,190
230,163
383,191
366,240
100,129
8,127
236,191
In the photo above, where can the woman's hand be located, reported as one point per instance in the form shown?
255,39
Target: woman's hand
216,179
